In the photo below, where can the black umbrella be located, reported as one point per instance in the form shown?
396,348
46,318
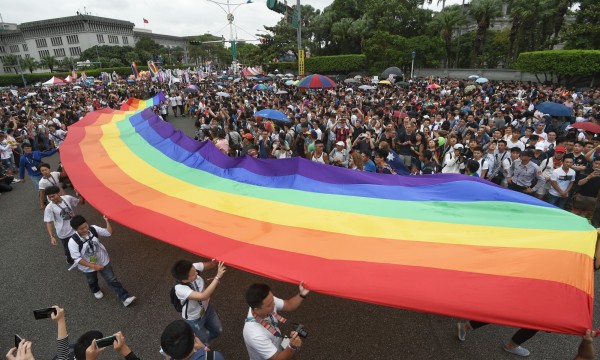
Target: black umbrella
392,70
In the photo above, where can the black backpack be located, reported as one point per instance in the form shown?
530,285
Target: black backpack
177,304
80,242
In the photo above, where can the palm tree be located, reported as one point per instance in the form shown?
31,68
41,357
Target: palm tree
445,22
10,60
48,62
483,11
30,64
522,12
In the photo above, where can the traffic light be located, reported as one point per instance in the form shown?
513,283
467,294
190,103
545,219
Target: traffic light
277,6
195,42
267,40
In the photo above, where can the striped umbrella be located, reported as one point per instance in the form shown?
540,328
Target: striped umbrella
316,81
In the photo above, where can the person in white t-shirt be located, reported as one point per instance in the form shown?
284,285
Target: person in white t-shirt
58,213
49,178
173,103
262,335
197,310
561,181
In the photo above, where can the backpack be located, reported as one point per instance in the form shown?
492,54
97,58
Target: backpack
177,304
80,242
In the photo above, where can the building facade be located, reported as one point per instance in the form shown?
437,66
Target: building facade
70,36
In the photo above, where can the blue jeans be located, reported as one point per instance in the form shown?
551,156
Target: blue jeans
110,278
207,327
35,180
559,202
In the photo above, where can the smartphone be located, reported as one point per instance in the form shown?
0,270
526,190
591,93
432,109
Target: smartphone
17,340
43,313
107,341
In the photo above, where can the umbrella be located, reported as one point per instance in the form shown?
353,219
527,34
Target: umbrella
192,87
385,82
237,80
280,75
281,92
587,126
260,87
391,71
481,80
432,86
223,94
358,77
403,83
350,81
470,88
350,89
295,83
77,87
289,75
31,94
273,115
316,81
473,76
189,90
289,82
366,87
554,109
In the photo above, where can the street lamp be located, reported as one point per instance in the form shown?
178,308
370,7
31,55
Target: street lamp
412,66
226,7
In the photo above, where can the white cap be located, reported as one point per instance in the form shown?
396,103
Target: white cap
539,146
458,146
340,143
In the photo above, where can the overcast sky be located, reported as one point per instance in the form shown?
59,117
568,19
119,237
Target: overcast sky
172,17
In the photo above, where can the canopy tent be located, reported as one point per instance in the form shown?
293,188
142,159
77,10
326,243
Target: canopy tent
54,81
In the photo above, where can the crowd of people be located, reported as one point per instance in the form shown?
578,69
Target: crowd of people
492,131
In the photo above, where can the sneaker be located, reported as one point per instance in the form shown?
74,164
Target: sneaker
462,332
128,301
99,295
518,350
16,180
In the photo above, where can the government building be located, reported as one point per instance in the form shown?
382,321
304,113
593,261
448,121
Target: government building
70,36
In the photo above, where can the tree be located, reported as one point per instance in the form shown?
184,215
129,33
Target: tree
132,56
384,50
30,64
49,62
10,60
585,32
114,62
483,11
445,22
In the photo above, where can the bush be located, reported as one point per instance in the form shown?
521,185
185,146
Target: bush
560,65
324,64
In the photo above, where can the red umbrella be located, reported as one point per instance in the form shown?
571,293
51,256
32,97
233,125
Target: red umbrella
316,81
587,126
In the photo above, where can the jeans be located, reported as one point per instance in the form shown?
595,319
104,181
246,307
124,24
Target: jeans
559,202
5,184
110,278
35,180
207,327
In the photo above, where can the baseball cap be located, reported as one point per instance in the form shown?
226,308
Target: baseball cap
248,136
560,149
539,146
340,143
458,146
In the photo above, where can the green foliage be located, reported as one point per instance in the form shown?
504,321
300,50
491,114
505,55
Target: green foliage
324,64
29,64
10,60
48,62
560,62
384,50
585,32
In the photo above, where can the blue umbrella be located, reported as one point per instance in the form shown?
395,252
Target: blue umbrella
554,109
273,115
481,80
289,82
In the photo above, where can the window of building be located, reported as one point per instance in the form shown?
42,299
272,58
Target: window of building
40,43
59,52
112,39
27,56
8,69
44,53
25,48
14,48
56,41
75,51
73,39
2,49
100,38
125,40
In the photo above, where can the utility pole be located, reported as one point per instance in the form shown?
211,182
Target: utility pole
21,72
299,36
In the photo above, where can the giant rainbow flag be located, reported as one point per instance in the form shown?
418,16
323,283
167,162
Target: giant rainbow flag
444,244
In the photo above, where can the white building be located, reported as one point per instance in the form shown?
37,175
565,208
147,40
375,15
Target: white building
70,36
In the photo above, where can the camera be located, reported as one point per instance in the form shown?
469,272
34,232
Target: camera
301,331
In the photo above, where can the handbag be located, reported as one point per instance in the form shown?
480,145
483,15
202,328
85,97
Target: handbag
586,203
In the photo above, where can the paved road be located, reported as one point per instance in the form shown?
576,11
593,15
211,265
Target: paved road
34,275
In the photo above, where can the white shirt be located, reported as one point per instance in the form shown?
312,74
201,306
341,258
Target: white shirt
60,214
260,343
562,179
58,137
53,180
518,143
183,291
92,248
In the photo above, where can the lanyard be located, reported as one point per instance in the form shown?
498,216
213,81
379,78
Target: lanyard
272,329
53,182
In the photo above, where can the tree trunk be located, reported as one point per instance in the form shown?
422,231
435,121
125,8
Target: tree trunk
479,41
514,30
559,18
